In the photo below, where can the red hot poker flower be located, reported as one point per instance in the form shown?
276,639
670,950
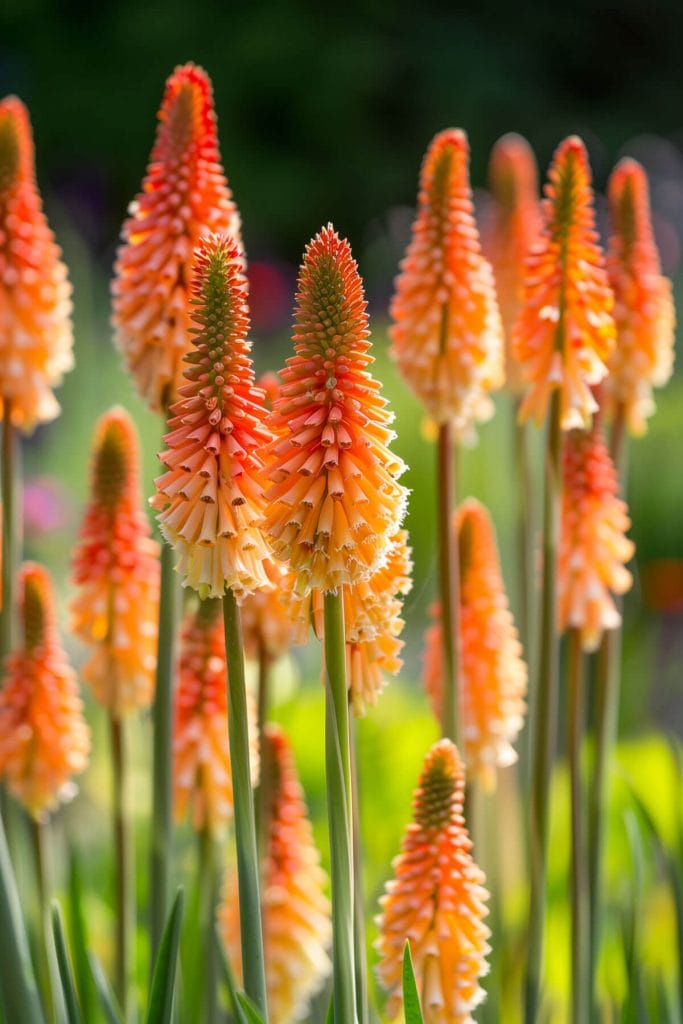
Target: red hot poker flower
643,302
565,334
35,295
334,500
44,738
184,196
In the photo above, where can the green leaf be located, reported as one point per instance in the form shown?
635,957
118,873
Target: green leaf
78,941
107,998
163,980
329,1019
73,1011
18,987
411,1000
237,1009
250,1012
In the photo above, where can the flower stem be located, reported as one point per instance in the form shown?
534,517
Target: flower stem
162,827
339,810
125,924
361,964
448,577
40,852
245,827
545,718
207,882
579,879
526,530
263,790
10,553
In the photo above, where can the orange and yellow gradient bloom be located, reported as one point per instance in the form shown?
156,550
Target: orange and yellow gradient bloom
116,573
36,336
565,334
184,197
447,337
436,901
296,913
44,738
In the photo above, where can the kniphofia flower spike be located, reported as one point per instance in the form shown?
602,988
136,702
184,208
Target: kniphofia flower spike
35,295
513,226
335,502
594,548
116,572
210,498
202,775
436,901
494,674
184,196
447,335
44,738
565,334
643,301
296,913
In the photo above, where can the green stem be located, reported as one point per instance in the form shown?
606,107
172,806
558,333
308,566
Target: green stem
360,957
125,924
39,836
207,882
545,719
579,879
526,544
339,810
263,791
10,553
162,825
245,827
448,577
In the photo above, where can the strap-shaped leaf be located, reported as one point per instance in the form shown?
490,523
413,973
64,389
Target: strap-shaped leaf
411,1000
249,1010
163,980
107,999
18,988
72,1009
78,941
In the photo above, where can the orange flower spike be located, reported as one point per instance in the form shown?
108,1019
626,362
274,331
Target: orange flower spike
644,309
184,196
436,900
514,225
44,738
36,337
116,573
494,673
594,548
335,501
296,913
447,335
202,776
565,334
210,499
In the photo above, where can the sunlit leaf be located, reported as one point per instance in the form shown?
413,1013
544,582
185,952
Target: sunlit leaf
411,1000
163,979
72,1009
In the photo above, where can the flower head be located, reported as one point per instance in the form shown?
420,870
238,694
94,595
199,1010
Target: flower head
35,295
494,674
594,548
447,335
334,500
44,738
184,196
513,227
436,901
210,498
202,776
643,302
565,334
116,573
296,913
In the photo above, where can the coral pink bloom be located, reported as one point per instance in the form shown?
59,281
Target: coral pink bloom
44,738
184,196
296,913
643,302
35,295
593,544
447,336
513,226
334,501
116,572
436,901
202,776
565,334
210,497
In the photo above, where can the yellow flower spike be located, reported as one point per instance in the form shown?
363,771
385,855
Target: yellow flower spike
644,310
565,334
447,337
44,738
436,900
210,500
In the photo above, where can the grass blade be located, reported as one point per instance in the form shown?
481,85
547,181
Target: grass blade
73,1011
163,980
18,987
249,1010
107,998
237,1009
78,941
411,1000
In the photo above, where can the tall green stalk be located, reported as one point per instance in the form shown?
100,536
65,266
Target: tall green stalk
162,824
245,827
262,796
45,968
207,883
339,810
9,547
125,922
448,577
360,955
545,718
526,551
579,876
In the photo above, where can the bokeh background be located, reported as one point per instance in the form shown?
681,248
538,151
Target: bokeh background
324,114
